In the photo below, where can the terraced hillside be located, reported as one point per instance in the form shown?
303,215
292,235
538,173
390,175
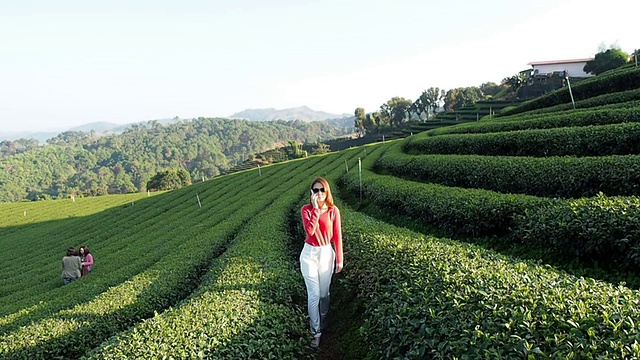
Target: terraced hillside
502,239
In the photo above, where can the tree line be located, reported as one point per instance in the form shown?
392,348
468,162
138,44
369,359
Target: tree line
398,109
87,164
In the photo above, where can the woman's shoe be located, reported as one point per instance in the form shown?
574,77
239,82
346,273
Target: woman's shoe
315,343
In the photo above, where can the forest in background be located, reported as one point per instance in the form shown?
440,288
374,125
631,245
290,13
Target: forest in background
86,164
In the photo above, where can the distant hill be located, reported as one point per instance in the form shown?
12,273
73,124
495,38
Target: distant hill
303,113
100,127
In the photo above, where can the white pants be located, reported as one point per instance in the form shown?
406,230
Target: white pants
316,265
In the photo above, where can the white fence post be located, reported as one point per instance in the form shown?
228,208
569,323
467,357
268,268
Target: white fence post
360,170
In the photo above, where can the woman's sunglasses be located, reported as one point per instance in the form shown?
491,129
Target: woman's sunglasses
315,190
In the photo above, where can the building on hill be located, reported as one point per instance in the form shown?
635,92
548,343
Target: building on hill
572,68
545,76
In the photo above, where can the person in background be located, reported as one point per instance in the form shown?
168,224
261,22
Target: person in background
86,260
71,266
318,259
81,254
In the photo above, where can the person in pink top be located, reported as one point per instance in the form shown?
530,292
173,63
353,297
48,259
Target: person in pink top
319,259
87,260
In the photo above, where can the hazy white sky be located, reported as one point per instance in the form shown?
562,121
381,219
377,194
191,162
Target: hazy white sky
66,63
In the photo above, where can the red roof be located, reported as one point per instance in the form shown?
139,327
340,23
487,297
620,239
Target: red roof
534,63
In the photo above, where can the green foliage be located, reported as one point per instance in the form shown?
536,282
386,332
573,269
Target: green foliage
320,149
623,99
396,110
606,60
567,177
490,89
360,120
169,180
8,148
572,118
90,165
600,230
461,97
614,139
373,122
513,83
429,297
456,211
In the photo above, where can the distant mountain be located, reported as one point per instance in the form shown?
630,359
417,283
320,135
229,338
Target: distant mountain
303,113
41,136
101,127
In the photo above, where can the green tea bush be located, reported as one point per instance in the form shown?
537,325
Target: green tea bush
457,211
566,177
434,298
617,100
615,139
601,230
545,121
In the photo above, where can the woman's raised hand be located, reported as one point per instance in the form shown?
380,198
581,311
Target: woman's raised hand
314,200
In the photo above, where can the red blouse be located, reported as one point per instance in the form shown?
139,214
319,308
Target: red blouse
313,221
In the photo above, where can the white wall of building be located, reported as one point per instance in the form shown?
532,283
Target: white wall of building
573,69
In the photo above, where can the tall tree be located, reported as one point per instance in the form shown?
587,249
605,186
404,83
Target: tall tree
606,60
371,121
359,121
514,83
490,88
435,97
461,97
169,180
451,98
396,109
421,105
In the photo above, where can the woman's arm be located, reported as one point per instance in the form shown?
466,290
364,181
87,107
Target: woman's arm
337,238
89,260
310,219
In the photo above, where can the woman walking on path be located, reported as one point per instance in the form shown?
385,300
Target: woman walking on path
318,260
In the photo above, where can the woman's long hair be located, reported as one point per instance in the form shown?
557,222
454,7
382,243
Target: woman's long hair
327,191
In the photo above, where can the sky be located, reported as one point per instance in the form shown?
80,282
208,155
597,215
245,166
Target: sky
67,63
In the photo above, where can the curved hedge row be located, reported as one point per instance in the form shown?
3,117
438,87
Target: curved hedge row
621,99
534,222
457,211
567,177
626,78
546,121
615,139
600,230
436,298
